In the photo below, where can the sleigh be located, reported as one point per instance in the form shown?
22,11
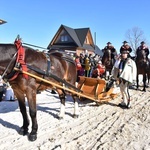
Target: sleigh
96,89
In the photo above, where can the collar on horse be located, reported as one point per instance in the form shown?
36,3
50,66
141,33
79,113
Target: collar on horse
20,61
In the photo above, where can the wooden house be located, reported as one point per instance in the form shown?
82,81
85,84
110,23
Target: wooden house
73,40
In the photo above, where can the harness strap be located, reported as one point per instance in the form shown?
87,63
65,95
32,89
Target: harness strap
21,56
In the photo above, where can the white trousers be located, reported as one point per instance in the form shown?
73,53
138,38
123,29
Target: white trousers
124,89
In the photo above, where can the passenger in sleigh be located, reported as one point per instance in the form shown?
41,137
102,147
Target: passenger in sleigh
99,71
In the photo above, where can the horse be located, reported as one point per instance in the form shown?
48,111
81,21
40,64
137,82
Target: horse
143,67
107,61
56,66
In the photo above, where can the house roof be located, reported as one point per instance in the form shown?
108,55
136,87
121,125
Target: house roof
73,34
98,51
82,33
77,35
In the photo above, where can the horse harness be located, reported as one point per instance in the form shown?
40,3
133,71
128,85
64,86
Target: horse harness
20,63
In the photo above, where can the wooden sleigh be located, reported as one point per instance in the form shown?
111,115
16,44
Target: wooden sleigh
96,89
90,88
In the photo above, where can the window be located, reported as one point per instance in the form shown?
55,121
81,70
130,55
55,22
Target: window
64,38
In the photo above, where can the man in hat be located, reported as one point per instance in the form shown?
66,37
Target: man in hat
143,47
125,47
127,75
110,47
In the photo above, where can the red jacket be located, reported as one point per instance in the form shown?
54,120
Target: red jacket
78,64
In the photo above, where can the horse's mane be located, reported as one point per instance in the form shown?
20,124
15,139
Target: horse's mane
61,55
141,54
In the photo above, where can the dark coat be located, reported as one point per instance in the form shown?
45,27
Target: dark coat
113,50
143,48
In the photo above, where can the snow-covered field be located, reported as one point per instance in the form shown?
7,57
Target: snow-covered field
106,127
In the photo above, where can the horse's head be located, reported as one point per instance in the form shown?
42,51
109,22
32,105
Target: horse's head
141,56
7,52
107,52
106,59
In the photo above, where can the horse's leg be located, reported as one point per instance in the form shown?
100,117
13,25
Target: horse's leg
147,81
22,105
31,96
137,82
76,106
62,97
148,78
144,82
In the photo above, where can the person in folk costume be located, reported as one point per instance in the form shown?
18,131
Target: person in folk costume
78,67
81,57
127,73
125,47
96,59
145,48
99,71
91,59
2,88
87,65
113,50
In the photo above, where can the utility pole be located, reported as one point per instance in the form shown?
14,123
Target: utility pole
95,40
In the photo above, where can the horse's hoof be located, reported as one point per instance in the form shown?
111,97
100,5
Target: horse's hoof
60,117
23,131
32,137
75,116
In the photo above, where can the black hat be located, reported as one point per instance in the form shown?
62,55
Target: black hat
124,42
108,42
142,42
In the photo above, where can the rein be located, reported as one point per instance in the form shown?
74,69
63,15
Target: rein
34,46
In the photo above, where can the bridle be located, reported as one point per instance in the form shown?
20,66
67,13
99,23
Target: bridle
5,71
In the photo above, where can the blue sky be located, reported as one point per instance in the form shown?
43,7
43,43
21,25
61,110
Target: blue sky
37,21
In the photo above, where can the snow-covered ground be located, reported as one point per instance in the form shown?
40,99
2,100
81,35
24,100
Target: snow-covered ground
98,127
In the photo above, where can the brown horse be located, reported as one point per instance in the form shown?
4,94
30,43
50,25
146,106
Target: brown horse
107,61
143,68
60,69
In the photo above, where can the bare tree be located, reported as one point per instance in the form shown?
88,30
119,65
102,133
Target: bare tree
134,37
